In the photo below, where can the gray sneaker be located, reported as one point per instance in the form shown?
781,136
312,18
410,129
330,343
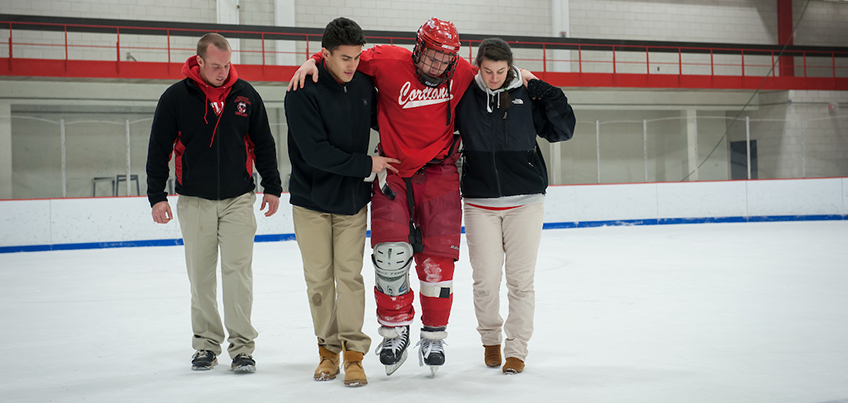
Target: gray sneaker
203,360
243,364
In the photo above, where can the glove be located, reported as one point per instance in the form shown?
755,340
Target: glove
538,89
384,186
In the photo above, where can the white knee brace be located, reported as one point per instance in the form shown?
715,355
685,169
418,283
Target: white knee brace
392,261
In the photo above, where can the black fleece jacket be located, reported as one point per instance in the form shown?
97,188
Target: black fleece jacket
501,157
329,128
213,168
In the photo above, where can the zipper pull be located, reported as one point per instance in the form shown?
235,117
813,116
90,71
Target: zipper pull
505,112
345,88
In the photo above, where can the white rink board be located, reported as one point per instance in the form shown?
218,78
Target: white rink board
100,222
844,196
603,203
795,197
24,222
701,199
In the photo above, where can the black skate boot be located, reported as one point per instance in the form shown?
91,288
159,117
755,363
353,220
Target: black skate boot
203,360
392,350
431,351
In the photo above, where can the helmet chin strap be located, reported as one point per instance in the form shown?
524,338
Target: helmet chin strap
428,80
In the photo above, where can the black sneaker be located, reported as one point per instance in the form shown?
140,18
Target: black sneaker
203,360
243,363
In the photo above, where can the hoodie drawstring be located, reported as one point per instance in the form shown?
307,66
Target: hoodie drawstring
449,82
206,101
493,98
215,129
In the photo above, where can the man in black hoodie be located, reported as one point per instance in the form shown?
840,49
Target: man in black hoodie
216,126
329,128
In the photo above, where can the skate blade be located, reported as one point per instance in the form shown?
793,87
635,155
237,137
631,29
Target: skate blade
390,369
434,369
246,369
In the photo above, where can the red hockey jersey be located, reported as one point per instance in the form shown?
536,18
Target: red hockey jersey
413,118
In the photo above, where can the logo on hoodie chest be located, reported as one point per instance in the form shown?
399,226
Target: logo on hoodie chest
241,105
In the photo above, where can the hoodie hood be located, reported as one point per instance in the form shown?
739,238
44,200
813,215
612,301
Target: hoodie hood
215,96
192,70
492,95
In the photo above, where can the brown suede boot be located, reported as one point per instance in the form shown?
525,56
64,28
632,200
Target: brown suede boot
354,373
493,356
513,366
328,368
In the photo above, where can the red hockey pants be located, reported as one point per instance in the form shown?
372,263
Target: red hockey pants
438,214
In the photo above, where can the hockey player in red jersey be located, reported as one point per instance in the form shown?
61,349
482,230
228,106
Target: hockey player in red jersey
419,217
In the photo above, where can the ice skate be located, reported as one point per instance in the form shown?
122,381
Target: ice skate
392,350
431,350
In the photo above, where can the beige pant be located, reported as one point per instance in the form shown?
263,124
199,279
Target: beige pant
493,235
228,225
332,247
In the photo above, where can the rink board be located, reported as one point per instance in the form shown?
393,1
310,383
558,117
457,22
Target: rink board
84,223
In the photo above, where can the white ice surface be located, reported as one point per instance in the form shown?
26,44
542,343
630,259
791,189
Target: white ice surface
754,312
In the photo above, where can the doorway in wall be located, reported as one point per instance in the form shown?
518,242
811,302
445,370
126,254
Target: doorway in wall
739,160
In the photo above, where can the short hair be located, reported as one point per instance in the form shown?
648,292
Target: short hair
212,38
342,32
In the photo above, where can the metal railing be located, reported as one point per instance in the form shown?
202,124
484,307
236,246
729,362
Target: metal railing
540,54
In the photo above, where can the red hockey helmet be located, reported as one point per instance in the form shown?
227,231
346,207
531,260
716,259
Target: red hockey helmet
436,47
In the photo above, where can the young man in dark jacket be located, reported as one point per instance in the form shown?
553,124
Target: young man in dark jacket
329,128
216,126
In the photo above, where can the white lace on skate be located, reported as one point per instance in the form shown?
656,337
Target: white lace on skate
392,339
428,346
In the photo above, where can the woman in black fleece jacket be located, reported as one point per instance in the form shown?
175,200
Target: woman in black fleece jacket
503,184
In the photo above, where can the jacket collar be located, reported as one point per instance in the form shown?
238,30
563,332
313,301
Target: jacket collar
326,78
492,96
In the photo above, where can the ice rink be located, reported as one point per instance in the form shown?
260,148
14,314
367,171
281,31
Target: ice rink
753,312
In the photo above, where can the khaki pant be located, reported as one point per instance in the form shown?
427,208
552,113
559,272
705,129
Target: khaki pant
228,225
332,247
493,235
